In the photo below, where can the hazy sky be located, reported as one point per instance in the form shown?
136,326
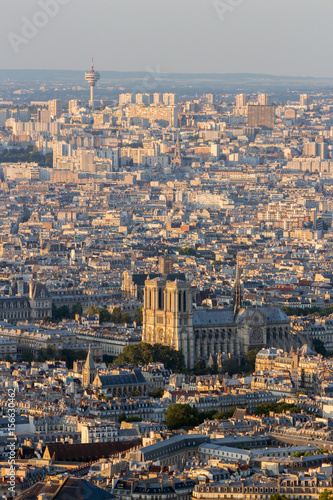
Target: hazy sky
282,37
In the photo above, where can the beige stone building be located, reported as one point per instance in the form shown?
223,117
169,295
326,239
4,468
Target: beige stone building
169,318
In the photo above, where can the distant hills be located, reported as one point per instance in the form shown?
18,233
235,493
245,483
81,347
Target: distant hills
116,76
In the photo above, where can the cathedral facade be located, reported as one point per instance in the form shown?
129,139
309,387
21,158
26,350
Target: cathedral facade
169,318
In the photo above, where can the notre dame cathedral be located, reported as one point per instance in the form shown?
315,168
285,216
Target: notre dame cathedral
169,318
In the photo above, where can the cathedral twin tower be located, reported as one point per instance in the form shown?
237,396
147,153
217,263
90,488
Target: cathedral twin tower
168,316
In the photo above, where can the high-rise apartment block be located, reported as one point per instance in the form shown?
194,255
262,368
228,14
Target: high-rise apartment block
157,98
263,99
241,100
261,116
210,98
316,149
143,99
304,100
55,108
170,99
73,106
125,99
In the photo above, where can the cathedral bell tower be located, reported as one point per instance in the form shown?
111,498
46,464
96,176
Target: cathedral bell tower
168,316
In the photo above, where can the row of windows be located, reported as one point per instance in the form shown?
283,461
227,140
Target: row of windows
15,315
182,307
13,305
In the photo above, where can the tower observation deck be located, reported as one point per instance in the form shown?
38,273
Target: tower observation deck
92,77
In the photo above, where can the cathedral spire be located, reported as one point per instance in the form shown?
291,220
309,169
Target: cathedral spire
89,370
237,290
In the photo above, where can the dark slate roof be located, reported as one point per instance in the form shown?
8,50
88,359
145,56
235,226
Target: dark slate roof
85,452
209,317
273,314
139,279
37,289
217,317
73,487
126,379
176,276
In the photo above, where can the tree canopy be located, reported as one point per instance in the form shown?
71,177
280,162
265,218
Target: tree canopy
29,154
105,316
138,318
266,408
308,311
319,346
144,353
179,415
188,251
326,495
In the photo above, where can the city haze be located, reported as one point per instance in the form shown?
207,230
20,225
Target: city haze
171,36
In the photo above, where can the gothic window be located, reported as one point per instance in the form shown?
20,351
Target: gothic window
160,298
179,301
184,303
149,299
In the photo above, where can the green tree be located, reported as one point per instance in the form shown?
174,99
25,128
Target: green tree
172,359
27,356
77,309
59,313
104,315
116,315
47,354
251,360
144,353
9,358
124,418
138,318
308,311
326,495
178,415
135,354
266,408
319,346
71,355
188,251
125,318
224,415
108,359
49,160
157,393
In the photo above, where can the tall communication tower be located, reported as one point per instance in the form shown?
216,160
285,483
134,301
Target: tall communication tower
92,77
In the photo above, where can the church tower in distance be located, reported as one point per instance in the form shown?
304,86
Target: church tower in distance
168,316
89,371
